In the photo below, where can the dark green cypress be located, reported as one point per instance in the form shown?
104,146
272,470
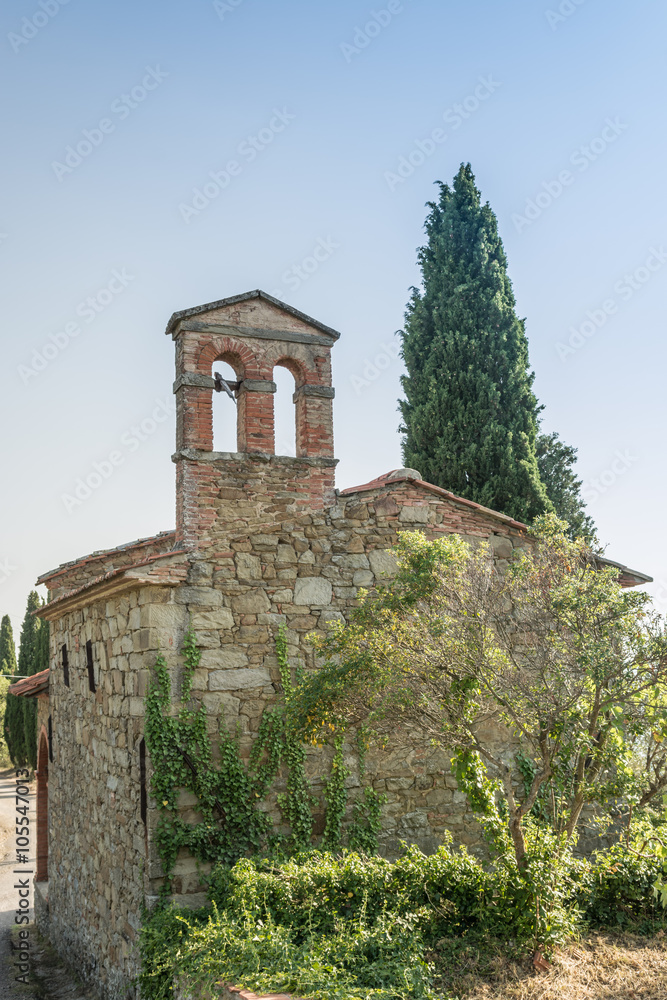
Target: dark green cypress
20,713
470,414
7,647
33,657
556,461
7,666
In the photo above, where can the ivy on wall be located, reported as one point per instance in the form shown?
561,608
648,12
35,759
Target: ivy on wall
229,792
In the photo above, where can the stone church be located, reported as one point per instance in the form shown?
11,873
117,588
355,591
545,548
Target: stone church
260,540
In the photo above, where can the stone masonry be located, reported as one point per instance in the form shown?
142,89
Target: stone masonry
260,540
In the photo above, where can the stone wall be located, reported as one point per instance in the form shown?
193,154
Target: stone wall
98,841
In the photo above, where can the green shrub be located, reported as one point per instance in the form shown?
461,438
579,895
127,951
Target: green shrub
616,889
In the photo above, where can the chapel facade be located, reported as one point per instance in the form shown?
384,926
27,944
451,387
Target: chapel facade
261,541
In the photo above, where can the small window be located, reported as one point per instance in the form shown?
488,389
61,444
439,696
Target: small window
142,782
65,660
91,667
50,740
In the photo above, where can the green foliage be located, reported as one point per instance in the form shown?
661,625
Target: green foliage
20,720
552,648
7,647
555,462
325,926
617,888
8,667
181,754
335,796
382,960
228,791
470,414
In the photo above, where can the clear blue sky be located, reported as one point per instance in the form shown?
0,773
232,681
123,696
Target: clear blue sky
318,104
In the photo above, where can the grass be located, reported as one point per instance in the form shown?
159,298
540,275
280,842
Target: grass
599,967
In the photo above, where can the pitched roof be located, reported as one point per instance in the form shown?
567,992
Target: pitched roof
627,577
103,554
145,572
412,476
245,297
30,687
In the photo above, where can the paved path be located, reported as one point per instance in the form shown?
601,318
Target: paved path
49,979
8,894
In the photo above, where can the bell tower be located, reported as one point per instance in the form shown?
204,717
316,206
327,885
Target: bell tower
253,333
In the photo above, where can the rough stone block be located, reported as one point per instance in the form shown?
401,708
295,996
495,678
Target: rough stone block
238,680
248,567
383,564
225,658
202,596
313,590
253,603
502,546
222,618
414,515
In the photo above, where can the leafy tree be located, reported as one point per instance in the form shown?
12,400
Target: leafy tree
470,414
556,461
550,657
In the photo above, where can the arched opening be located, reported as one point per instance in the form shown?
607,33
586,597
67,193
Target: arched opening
224,411
42,873
283,411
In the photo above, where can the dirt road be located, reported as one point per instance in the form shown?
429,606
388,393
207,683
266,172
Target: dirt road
9,894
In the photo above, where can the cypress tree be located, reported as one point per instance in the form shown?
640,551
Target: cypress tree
7,666
7,647
556,461
20,713
470,415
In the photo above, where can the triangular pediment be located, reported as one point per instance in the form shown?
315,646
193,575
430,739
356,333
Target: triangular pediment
252,310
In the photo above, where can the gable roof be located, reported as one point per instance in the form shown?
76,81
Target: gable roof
627,577
257,293
30,687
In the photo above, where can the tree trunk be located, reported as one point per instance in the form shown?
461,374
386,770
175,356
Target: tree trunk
519,842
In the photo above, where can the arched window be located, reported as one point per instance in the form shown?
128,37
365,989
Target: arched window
283,411
224,411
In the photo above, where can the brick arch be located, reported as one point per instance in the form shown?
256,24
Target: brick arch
42,773
294,365
243,360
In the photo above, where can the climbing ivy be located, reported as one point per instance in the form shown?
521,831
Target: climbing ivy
228,792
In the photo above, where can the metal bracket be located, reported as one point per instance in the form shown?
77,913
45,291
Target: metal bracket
223,386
